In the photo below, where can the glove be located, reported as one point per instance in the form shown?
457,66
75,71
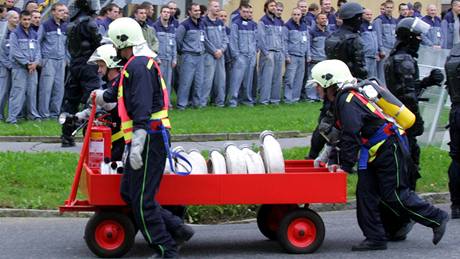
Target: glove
83,115
436,77
323,157
99,93
137,147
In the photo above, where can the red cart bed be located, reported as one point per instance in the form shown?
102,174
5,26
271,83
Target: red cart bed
298,229
284,198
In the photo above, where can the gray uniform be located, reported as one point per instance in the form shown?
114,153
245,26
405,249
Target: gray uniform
190,38
167,51
24,50
51,39
243,48
5,72
370,48
214,79
272,49
297,47
385,27
316,54
433,36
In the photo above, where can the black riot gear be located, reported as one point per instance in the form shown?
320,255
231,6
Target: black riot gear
83,37
452,69
82,40
350,10
345,44
402,79
408,33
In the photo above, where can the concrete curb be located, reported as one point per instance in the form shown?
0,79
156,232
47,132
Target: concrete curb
443,197
204,137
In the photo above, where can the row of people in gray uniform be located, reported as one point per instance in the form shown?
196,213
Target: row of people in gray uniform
218,63
23,51
201,42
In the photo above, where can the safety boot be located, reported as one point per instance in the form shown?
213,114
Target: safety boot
401,234
182,234
67,142
438,232
368,245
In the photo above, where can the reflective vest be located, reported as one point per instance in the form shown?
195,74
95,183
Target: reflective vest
126,122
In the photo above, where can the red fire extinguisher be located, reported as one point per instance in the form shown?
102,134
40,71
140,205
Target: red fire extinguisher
100,143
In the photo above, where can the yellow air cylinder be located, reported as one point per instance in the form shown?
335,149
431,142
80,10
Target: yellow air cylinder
390,105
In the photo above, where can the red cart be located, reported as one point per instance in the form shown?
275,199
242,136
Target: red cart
110,231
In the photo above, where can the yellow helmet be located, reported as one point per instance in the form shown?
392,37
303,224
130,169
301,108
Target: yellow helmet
106,53
331,72
125,32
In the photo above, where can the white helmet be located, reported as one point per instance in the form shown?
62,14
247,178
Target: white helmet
125,32
331,72
106,53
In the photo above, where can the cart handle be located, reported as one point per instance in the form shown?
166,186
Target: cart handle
84,150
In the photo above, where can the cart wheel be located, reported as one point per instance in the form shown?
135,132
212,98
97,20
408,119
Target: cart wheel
109,234
301,232
269,218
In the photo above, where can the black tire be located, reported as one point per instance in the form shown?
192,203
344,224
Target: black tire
110,234
301,232
269,218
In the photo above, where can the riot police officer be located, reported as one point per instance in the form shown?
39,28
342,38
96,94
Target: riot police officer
345,43
82,41
382,166
402,78
453,85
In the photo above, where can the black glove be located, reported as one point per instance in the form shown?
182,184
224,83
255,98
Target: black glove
436,77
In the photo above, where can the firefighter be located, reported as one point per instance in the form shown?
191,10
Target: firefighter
105,57
142,100
382,167
402,78
82,40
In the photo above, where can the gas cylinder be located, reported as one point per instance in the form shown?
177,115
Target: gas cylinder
100,143
389,104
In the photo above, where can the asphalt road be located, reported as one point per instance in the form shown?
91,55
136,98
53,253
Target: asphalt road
63,238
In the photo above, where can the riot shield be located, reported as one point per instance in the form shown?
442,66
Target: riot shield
435,105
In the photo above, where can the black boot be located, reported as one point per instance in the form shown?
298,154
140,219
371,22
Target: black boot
67,141
368,245
438,232
401,234
182,234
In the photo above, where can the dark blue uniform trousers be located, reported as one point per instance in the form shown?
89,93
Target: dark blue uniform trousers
138,189
386,182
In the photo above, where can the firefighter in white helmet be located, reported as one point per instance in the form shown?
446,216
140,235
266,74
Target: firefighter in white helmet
105,58
143,108
382,168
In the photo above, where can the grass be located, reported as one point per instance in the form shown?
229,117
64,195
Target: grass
42,181
301,117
